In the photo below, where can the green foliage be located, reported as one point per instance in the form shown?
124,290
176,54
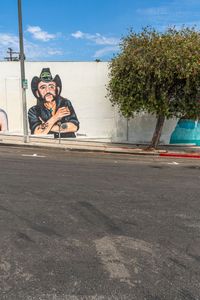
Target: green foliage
158,73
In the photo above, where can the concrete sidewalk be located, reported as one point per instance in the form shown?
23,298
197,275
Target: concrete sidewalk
190,151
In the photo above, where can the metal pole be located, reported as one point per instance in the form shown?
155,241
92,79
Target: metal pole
127,130
22,58
59,125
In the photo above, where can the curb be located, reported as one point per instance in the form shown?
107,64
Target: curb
85,148
97,147
180,155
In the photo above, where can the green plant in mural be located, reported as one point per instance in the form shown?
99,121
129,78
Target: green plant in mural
158,73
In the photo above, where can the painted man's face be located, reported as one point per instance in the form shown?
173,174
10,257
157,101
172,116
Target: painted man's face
47,90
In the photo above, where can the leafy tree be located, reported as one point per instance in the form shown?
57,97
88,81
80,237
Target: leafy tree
158,73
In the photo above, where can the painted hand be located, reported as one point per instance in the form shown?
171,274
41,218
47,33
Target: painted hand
62,112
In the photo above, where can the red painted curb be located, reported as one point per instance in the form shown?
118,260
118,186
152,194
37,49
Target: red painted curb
186,155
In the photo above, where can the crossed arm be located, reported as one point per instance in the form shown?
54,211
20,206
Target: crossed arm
51,124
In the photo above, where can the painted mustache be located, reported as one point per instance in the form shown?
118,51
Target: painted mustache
49,94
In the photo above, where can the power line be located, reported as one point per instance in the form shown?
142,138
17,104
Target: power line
11,56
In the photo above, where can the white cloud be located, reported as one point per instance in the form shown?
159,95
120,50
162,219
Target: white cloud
104,51
96,38
39,34
78,35
172,13
8,40
32,50
153,11
52,51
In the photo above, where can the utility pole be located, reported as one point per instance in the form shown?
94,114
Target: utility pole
23,80
11,57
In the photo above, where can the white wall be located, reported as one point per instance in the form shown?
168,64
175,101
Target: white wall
84,83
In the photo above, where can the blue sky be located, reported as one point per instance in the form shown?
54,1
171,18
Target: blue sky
85,30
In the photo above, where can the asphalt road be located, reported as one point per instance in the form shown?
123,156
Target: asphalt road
98,226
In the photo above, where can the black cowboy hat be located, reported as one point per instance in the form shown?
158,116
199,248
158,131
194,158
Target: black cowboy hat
45,76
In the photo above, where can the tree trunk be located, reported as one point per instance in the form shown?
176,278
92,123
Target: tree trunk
157,133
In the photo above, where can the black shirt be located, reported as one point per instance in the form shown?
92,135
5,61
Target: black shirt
39,113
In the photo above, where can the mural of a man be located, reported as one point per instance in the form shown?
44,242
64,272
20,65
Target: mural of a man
3,121
53,113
